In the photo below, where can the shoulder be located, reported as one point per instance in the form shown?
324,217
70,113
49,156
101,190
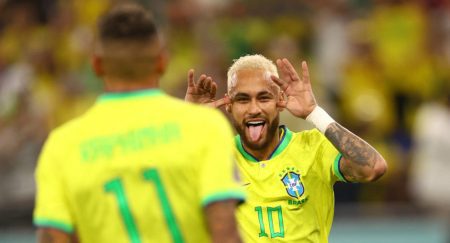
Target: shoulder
309,137
61,138
75,127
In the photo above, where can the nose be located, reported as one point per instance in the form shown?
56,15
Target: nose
254,108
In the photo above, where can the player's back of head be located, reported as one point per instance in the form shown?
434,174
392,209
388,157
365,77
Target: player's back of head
128,42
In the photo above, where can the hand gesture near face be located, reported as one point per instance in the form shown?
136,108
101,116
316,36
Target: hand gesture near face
300,99
203,91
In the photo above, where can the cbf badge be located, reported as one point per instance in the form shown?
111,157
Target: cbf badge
293,184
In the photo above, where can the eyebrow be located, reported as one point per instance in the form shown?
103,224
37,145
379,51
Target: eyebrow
241,95
265,92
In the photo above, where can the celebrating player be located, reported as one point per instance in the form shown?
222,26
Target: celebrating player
139,165
288,176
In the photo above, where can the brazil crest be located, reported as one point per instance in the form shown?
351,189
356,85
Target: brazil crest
293,184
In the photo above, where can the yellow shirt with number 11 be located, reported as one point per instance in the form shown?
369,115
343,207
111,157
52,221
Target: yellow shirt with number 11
136,167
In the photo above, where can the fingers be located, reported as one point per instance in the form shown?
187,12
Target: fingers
212,93
283,71
290,69
201,82
283,84
305,72
221,102
207,84
191,78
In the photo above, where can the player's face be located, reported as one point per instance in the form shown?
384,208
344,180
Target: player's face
254,108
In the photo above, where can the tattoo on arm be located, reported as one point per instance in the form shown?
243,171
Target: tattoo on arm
355,150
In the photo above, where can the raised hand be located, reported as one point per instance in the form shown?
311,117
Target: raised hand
203,91
300,99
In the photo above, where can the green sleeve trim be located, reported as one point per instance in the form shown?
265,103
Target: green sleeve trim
221,196
53,224
336,168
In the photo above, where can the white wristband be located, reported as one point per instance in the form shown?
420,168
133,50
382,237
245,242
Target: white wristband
320,119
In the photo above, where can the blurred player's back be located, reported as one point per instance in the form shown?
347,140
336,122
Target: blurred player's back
139,165
128,173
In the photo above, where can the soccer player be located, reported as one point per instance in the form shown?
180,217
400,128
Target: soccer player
288,176
138,166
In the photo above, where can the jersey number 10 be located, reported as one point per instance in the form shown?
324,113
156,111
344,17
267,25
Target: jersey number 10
115,186
262,228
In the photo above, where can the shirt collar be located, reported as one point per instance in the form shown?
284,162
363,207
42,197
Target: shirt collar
286,136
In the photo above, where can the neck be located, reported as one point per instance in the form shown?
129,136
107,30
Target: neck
266,151
120,85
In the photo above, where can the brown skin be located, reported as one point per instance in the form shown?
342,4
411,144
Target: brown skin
360,162
116,84
203,91
49,235
255,99
221,221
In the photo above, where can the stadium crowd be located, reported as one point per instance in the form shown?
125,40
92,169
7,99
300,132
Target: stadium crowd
381,67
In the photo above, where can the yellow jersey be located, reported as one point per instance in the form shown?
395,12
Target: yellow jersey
136,167
290,196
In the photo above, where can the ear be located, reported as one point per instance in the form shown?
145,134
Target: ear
228,105
162,61
228,108
282,101
97,65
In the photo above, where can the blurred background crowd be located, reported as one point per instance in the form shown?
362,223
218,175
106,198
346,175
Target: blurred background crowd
380,67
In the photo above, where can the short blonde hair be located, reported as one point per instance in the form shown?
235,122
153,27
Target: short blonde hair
251,62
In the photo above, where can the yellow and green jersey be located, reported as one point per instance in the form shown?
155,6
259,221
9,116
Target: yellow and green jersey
289,196
136,167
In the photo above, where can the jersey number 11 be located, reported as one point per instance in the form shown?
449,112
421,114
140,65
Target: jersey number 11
115,186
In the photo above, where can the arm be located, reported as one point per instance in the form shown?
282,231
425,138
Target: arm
203,91
221,221
360,162
49,235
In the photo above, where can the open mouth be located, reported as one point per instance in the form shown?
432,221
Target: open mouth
255,129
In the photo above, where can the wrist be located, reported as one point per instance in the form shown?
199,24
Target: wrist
320,119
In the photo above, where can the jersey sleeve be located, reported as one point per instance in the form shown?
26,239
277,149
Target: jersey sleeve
331,158
219,176
51,206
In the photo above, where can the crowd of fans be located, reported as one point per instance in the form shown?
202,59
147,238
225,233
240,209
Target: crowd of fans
380,67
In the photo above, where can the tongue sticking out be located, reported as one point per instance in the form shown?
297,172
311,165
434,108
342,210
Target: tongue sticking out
255,132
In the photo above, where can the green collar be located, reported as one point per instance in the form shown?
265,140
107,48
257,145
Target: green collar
287,136
130,94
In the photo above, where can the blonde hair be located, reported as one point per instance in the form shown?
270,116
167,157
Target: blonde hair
252,62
